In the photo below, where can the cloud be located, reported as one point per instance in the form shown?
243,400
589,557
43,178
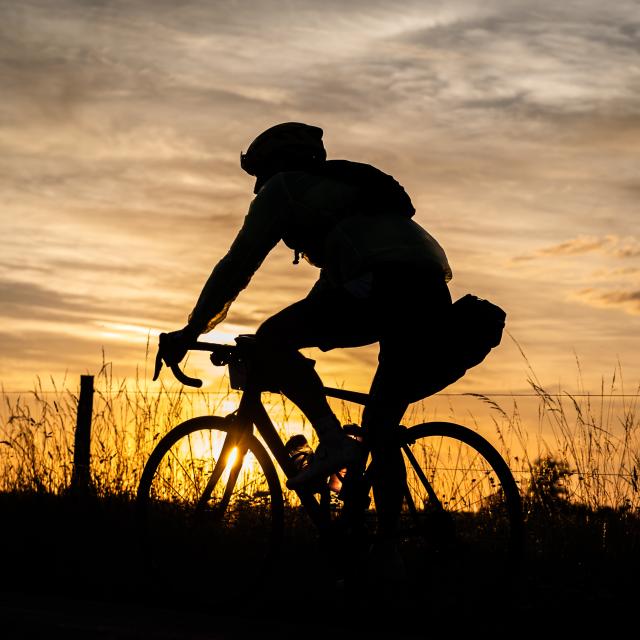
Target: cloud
629,248
98,65
610,245
546,61
621,273
512,125
25,299
628,300
577,246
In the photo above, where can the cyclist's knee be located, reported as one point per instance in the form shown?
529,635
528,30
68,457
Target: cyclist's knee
274,341
270,335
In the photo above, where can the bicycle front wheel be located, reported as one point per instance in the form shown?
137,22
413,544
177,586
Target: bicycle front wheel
461,497
203,505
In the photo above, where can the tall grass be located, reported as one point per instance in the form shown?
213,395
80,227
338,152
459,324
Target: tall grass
129,417
584,450
37,432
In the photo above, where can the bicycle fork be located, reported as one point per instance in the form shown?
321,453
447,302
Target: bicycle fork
234,449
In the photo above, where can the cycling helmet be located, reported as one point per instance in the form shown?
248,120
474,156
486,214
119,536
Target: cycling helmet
283,147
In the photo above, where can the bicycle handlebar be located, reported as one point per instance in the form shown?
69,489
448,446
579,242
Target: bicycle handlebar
228,354
220,355
184,378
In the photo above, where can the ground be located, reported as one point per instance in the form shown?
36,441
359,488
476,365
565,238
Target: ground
73,569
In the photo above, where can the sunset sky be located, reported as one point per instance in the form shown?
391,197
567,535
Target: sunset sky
515,127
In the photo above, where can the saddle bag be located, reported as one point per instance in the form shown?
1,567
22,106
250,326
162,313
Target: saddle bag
477,327
471,329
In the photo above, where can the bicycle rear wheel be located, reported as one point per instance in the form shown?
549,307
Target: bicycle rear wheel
461,501
205,507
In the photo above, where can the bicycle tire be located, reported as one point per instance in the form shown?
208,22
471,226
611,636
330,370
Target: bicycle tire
478,512
238,540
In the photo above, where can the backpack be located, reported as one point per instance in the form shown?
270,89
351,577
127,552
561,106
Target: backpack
380,193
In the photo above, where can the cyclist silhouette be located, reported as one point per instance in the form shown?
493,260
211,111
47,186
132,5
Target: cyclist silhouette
383,279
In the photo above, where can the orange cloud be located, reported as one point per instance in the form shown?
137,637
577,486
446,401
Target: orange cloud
629,301
611,245
579,245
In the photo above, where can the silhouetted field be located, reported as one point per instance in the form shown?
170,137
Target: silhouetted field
581,564
581,497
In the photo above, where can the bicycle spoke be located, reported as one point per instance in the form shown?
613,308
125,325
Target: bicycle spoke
197,488
172,488
186,473
456,464
474,486
457,479
464,476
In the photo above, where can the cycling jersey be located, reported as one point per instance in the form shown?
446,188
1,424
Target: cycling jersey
314,215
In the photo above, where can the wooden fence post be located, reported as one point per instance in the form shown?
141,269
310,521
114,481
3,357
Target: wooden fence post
81,476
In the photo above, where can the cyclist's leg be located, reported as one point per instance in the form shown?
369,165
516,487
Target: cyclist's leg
329,319
407,358
383,411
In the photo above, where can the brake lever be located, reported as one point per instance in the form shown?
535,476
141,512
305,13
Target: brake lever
175,369
159,362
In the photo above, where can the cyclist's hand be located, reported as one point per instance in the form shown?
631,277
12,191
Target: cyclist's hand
172,348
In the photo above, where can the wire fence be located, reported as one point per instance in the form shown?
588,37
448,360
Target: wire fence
488,394
580,453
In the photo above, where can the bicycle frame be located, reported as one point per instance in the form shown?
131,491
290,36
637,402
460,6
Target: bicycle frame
250,413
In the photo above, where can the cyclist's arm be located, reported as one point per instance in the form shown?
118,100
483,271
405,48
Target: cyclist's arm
261,231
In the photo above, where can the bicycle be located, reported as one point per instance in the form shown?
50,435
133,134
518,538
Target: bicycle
215,477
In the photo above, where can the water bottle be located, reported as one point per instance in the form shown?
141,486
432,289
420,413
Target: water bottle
299,451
